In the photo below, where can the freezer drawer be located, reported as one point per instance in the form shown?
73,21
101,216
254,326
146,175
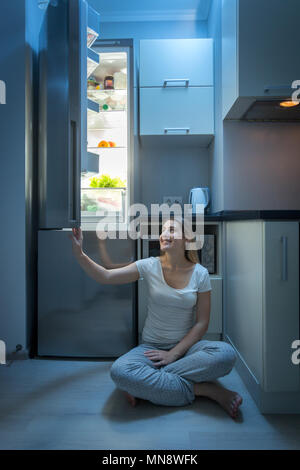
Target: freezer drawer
77,316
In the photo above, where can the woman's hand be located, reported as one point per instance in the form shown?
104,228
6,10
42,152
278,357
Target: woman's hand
163,357
77,239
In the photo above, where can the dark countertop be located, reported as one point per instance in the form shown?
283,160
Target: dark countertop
250,215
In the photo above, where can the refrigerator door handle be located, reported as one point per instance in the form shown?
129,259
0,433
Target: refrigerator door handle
284,272
78,14
73,180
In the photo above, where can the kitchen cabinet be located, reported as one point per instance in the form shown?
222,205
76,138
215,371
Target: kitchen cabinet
176,59
176,88
176,111
261,307
215,322
259,45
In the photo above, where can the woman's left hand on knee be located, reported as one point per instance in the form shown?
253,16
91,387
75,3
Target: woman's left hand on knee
160,357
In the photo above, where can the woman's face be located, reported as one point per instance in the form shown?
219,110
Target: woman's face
171,237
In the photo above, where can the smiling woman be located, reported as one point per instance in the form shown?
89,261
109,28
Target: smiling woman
173,364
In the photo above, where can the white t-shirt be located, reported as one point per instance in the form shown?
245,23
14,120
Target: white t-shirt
171,312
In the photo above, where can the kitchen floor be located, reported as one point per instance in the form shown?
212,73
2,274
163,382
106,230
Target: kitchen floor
62,404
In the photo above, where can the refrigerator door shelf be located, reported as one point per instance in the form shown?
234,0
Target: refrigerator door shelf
93,61
92,106
93,29
91,163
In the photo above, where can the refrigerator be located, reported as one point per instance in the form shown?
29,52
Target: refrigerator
85,173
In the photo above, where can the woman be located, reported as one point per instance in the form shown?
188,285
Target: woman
172,365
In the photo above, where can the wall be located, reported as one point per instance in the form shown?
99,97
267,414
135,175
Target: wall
151,30
34,18
261,166
254,166
12,189
16,196
163,171
216,170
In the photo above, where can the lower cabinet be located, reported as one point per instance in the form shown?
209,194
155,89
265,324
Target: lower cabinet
261,308
215,322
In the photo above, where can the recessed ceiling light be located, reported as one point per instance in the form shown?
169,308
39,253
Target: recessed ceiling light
289,104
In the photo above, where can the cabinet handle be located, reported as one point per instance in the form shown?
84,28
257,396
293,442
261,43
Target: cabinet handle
277,87
175,80
177,129
284,273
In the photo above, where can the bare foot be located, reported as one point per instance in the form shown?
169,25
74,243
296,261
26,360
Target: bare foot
228,399
133,401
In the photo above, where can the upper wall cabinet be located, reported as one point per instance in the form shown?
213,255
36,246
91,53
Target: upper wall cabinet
176,89
185,61
260,49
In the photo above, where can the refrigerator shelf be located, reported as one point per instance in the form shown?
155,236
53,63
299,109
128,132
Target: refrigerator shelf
102,128
114,101
108,91
112,110
98,199
106,148
109,111
92,129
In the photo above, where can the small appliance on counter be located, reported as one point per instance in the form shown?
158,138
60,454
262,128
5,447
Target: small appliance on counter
199,196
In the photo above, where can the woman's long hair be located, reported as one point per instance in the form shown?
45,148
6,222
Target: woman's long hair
191,255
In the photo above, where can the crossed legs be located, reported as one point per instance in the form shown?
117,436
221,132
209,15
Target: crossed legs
177,383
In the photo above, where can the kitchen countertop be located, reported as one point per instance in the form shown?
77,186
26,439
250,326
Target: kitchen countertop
250,215
227,216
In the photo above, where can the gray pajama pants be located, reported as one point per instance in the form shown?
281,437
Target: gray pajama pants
172,384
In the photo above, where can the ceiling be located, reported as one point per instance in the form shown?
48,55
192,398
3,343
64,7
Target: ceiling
152,10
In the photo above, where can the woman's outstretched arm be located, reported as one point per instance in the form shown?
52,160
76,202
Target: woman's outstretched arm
100,274
105,258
